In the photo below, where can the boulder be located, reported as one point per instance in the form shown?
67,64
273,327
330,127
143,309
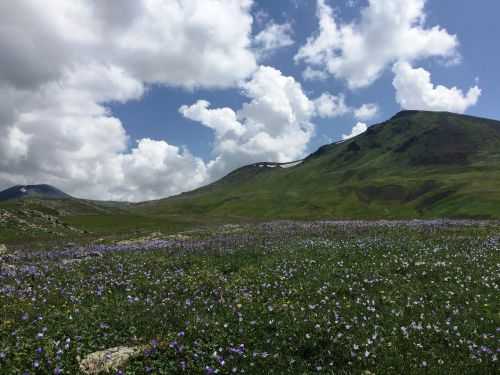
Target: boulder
3,249
8,270
108,360
179,237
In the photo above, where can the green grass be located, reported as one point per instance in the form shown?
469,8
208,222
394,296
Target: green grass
126,224
275,299
416,165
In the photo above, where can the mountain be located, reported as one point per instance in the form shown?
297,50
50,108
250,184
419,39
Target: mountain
32,191
51,200
416,165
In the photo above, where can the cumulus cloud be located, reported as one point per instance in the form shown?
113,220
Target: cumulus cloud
157,169
223,121
310,74
273,37
204,43
328,105
61,135
63,61
387,31
357,129
415,90
274,125
366,112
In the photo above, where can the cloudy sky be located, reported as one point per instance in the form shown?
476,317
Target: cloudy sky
142,99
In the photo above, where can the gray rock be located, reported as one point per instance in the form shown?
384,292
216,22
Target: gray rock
8,270
108,360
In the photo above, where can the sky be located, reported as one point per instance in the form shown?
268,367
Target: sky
143,99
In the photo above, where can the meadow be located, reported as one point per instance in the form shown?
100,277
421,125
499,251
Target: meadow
418,297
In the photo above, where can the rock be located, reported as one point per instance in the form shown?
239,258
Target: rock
179,237
156,236
68,262
127,242
108,360
3,249
231,228
8,270
90,256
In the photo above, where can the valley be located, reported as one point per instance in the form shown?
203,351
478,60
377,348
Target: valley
366,257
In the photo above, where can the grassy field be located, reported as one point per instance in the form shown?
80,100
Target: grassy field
282,297
38,221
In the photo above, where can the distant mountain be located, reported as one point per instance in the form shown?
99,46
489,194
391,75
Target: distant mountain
32,191
417,164
50,200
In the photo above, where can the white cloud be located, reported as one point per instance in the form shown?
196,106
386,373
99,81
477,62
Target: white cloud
387,31
63,61
366,112
357,129
273,37
328,105
273,126
62,136
223,121
156,169
415,90
310,74
204,42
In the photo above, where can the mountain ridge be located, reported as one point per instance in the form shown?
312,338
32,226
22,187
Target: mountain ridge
416,164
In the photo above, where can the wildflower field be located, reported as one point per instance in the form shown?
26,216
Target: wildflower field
418,297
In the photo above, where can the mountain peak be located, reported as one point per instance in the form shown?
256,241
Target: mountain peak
42,191
405,113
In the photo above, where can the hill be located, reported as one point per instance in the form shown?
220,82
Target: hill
37,213
32,191
53,201
416,165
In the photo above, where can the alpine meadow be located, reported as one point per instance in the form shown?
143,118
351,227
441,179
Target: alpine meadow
249,187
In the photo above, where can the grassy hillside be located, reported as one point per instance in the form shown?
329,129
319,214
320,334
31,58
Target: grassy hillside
417,164
36,220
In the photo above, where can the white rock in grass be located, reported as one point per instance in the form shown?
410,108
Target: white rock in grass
179,237
8,270
3,249
108,360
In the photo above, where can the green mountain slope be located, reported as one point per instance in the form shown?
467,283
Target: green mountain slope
417,164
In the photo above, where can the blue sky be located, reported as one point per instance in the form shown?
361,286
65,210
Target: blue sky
143,99
475,23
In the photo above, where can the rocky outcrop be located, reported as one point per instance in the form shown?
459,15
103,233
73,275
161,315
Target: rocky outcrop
108,360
